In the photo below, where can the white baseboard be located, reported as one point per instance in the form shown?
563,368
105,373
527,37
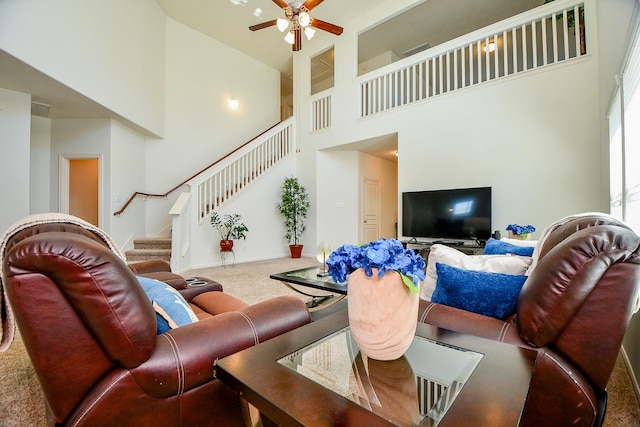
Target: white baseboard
632,374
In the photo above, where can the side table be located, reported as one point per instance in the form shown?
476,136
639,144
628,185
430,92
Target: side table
223,257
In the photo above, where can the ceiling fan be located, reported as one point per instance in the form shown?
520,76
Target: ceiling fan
297,21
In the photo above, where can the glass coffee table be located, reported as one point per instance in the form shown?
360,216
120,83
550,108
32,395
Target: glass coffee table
316,376
315,278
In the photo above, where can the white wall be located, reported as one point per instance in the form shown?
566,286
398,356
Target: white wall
40,165
127,172
535,138
110,51
339,180
202,74
83,138
15,110
257,205
338,198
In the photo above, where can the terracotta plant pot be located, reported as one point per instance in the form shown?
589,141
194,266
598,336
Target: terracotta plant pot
296,251
226,245
383,314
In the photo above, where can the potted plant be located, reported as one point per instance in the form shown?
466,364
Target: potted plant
382,294
230,227
294,205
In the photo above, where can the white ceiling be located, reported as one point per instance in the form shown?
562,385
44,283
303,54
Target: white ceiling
432,22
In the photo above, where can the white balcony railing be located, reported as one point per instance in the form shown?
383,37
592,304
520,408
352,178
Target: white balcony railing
546,35
321,113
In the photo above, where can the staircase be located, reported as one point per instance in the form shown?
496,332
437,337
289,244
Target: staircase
147,249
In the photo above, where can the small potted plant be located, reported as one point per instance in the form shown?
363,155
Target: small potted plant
383,280
294,205
230,227
520,232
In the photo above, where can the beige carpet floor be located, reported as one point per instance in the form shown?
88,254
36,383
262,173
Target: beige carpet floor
22,404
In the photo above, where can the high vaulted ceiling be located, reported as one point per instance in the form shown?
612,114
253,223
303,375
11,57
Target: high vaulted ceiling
428,24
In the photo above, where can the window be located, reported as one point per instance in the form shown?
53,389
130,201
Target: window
624,142
322,71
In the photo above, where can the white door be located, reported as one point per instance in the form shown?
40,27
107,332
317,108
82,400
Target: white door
370,203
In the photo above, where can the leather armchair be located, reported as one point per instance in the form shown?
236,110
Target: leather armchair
574,310
90,332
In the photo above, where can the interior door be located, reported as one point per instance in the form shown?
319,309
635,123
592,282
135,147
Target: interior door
80,188
370,230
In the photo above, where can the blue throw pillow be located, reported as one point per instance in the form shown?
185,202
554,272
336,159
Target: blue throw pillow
490,294
497,247
172,310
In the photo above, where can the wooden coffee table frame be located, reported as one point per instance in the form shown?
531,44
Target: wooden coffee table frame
493,396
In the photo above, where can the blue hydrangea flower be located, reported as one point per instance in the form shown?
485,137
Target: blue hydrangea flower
522,230
384,254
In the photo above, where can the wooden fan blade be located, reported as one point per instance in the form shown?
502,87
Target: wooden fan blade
263,25
281,3
311,4
325,26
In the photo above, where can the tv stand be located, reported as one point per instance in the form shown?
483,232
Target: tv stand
447,242
425,247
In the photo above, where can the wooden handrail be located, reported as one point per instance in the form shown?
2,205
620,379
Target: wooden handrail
138,193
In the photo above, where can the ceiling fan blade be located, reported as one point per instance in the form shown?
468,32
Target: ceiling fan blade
311,4
325,26
281,3
263,25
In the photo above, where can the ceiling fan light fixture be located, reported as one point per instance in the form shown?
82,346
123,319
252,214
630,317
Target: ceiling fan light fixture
309,32
290,37
304,19
282,24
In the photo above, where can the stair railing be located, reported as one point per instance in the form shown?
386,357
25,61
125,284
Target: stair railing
143,194
225,179
216,184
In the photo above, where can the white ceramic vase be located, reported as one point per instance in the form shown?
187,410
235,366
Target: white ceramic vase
383,314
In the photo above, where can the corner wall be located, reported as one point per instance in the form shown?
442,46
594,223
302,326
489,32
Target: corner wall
15,129
109,51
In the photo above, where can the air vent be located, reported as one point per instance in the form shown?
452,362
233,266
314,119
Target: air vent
417,49
40,109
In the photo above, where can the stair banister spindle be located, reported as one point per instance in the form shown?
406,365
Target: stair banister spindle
479,59
434,85
554,27
565,32
534,43
576,29
543,26
487,60
496,58
514,44
523,39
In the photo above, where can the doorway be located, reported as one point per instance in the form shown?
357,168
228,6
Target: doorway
80,187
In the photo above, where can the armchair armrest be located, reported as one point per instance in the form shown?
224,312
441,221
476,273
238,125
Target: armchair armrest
184,358
467,322
151,266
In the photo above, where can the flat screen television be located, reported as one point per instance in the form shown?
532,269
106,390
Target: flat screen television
447,215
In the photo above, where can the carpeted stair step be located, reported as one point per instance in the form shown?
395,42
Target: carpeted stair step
148,249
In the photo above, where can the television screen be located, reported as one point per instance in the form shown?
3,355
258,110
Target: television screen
457,214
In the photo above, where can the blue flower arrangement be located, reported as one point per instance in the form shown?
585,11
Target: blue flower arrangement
384,254
521,230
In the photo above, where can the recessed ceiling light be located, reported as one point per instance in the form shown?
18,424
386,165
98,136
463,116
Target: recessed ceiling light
257,13
239,2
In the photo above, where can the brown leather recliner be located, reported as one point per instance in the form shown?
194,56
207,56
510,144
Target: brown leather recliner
90,332
574,310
